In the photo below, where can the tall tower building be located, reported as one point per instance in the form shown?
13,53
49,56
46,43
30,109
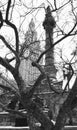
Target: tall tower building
30,51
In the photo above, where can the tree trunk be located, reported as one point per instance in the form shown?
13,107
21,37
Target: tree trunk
31,106
66,108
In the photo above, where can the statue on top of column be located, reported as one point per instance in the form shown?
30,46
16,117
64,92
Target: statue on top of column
49,22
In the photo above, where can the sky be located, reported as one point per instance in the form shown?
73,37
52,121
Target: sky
62,16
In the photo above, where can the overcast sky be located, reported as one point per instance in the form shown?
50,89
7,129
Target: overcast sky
38,15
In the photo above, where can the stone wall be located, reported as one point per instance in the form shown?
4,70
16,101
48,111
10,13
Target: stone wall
13,128
7,119
7,122
70,128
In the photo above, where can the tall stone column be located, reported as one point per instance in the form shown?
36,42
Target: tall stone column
49,24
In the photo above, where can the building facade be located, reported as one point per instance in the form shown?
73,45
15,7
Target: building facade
31,52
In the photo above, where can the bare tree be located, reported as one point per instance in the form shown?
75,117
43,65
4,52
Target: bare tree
60,33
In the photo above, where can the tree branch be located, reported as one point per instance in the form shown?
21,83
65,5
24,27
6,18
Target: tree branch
60,6
8,8
44,75
32,90
65,108
72,72
14,52
1,19
8,46
51,87
35,64
65,36
6,87
16,34
5,64
55,5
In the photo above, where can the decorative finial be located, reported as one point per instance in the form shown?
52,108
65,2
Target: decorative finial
48,11
32,25
49,22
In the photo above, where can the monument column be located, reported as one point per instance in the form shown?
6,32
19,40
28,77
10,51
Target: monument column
49,24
